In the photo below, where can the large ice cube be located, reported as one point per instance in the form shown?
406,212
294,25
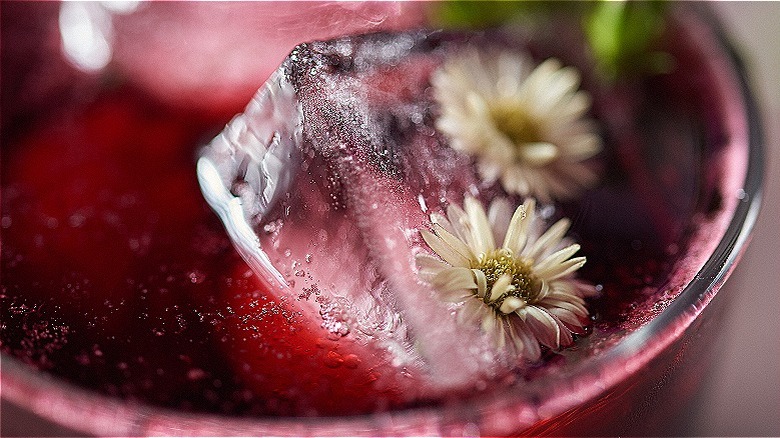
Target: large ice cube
324,182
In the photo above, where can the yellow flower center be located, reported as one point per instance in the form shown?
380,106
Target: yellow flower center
512,120
524,132
500,262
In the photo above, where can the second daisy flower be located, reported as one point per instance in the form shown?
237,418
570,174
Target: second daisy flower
522,293
525,125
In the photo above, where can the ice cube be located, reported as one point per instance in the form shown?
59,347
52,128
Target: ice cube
325,181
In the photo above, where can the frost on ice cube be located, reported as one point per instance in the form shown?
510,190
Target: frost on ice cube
324,183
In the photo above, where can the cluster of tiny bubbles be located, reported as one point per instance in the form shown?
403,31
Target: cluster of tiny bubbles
28,332
332,313
307,292
273,227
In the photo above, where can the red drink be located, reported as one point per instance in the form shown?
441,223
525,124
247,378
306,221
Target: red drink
117,277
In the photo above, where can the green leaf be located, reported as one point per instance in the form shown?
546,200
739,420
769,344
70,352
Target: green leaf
483,14
621,35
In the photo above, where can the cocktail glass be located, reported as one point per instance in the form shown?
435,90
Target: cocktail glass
636,381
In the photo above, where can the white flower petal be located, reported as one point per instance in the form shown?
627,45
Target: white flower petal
539,153
564,268
510,68
569,303
532,351
455,296
489,322
454,279
444,251
565,316
500,336
582,288
428,266
501,150
549,239
427,261
515,180
490,170
514,338
481,281
551,262
511,304
500,287
544,291
454,242
578,173
471,312
443,222
553,183
559,84
475,73
544,327
581,148
517,233
573,108
477,106
536,81
480,227
459,221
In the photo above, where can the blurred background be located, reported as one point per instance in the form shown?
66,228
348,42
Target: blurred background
741,396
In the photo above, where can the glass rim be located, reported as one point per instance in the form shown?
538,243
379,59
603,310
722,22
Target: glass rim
69,405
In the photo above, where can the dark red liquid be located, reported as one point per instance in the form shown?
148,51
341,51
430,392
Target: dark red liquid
107,248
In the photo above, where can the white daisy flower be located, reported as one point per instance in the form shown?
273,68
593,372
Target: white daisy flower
526,126
522,293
